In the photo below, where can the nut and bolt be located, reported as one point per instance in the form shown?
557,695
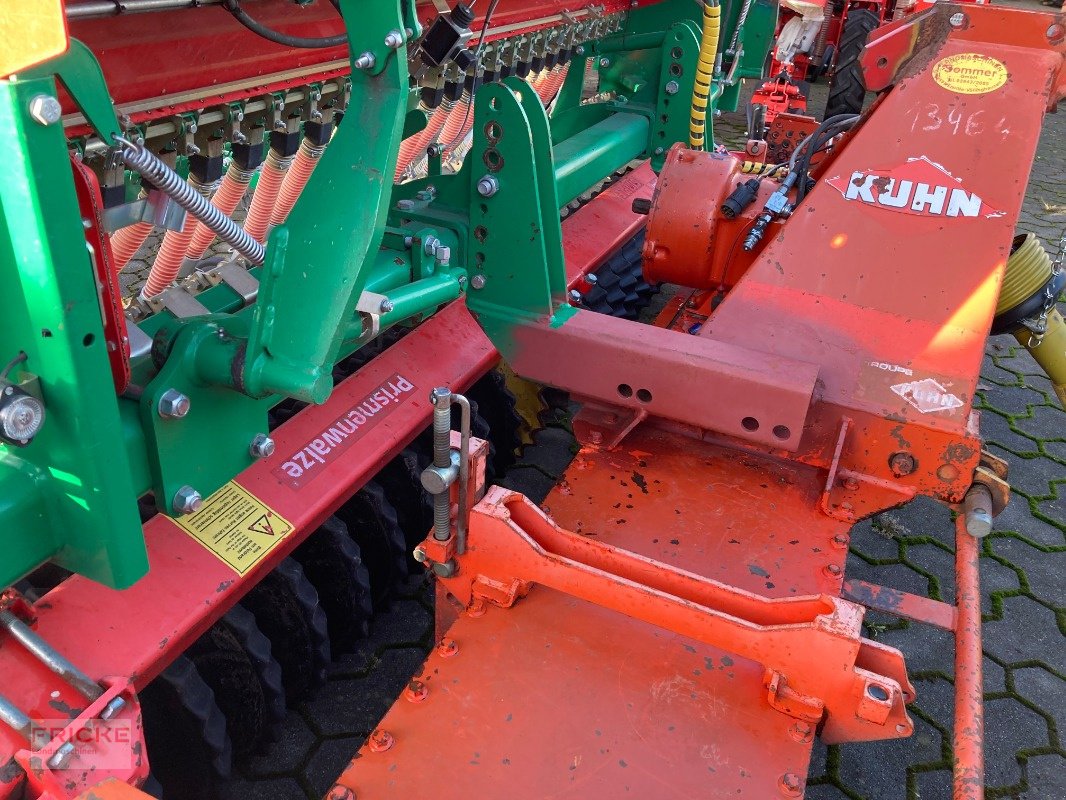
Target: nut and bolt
393,39
444,255
380,741
790,785
45,109
187,500
386,306
338,792
430,245
416,691
478,282
672,87
488,186
902,464
262,446
62,756
405,205
447,648
173,404
366,60
801,731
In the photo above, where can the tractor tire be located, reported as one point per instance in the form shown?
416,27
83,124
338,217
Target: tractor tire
847,89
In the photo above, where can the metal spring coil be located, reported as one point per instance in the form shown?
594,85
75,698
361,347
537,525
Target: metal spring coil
140,160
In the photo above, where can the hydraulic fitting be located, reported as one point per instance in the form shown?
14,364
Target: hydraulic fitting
741,197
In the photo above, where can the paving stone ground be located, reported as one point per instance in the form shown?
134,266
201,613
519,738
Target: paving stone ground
1022,568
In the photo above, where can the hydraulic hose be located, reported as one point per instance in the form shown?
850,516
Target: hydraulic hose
1030,288
266,194
701,89
234,185
258,28
303,164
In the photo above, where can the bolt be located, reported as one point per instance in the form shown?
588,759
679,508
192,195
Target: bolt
338,792
902,464
592,279
430,245
488,186
659,151
173,404
112,709
386,306
62,756
790,785
801,731
478,281
405,205
641,205
957,19
833,569
419,554
45,109
575,297
580,50
380,741
447,648
187,500
840,541
846,507
672,87
393,39
605,62
366,61
444,255
416,691
851,484
262,446
595,437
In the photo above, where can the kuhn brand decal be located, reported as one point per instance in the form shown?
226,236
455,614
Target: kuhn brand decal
918,187
307,463
927,395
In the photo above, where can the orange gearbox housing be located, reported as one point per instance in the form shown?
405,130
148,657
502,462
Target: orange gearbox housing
689,242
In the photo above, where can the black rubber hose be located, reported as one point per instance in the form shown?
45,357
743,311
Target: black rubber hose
258,28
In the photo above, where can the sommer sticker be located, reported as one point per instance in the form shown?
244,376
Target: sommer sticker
970,73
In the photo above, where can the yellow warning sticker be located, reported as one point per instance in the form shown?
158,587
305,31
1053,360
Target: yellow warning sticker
236,526
970,73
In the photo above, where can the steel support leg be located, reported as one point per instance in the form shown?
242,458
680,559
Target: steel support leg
968,738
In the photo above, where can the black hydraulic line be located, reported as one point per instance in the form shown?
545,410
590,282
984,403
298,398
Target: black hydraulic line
258,28
12,364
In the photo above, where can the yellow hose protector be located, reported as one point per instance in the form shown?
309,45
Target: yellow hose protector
701,89
1028,270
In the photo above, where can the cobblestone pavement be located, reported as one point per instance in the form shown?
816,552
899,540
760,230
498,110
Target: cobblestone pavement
1022,566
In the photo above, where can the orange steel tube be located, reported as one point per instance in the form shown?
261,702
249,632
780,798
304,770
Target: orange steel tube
171,253
229,194
968,735
125,243
412,146
454,123
266,193
295,180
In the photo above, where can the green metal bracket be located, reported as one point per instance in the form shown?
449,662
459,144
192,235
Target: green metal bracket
176,447
70,491
515,273
316,264
80,73
681,49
